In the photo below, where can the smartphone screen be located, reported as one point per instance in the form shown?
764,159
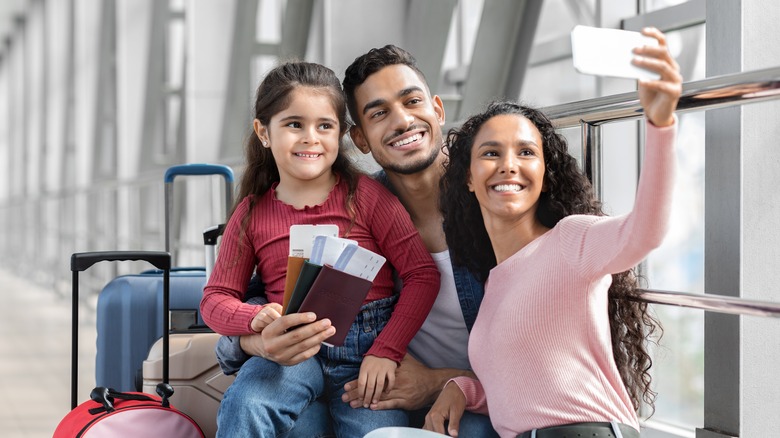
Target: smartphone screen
608,52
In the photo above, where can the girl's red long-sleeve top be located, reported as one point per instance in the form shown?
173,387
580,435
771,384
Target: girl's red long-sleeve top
381,225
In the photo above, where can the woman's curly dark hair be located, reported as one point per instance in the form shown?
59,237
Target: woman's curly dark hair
568,192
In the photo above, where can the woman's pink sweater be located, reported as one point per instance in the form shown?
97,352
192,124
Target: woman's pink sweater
541,344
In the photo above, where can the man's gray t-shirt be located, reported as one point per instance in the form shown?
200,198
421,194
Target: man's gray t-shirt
442,341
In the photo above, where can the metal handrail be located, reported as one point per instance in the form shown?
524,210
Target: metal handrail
716,92
713,303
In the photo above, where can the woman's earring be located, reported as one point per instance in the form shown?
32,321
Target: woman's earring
265,143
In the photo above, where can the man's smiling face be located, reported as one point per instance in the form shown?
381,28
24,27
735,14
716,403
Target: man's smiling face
399,122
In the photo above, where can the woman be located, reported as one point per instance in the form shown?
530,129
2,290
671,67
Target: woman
553,352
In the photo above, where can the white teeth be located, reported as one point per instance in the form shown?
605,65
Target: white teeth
507,188
411,139
307,155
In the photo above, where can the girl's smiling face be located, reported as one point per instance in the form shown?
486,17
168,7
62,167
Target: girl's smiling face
304,137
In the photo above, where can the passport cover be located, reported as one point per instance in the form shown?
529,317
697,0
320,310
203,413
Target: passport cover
337,296
308,274
294,265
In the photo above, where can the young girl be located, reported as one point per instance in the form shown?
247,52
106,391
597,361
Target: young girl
296,175
557,346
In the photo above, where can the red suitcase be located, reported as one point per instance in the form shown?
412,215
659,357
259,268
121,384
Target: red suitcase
112,413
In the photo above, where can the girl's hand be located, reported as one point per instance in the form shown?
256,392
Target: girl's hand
449,406
658,97
374,372
270,313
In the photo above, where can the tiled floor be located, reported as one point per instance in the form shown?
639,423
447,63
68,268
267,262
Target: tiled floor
35,357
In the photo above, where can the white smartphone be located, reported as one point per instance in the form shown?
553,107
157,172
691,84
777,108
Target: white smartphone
607,52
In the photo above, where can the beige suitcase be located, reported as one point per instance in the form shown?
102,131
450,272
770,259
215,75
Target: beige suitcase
194,373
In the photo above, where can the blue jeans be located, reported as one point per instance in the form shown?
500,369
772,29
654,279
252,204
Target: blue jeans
267,399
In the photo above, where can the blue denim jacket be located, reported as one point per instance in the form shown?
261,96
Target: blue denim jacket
470,293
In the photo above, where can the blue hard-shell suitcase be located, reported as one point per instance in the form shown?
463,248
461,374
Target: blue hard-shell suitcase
128,321
128,307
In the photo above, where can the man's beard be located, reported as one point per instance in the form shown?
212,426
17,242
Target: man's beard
414,167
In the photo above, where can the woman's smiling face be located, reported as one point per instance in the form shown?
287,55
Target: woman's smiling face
507,168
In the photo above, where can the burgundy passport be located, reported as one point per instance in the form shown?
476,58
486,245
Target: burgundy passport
337,296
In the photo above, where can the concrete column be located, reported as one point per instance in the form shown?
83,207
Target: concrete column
209,29
760,337
5,129
34,95
87,68
742,396
59,56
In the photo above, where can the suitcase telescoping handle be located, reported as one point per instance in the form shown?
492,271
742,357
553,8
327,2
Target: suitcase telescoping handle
81,261
194,169
210,236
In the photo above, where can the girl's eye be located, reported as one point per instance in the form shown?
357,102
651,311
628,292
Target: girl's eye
326,126
294,124
490,154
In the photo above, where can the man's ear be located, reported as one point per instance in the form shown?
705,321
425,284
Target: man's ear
261,131
357,136
438,108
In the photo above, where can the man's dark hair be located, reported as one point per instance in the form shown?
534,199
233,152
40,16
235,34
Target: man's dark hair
369,63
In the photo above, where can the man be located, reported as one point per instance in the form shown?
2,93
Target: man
399,122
